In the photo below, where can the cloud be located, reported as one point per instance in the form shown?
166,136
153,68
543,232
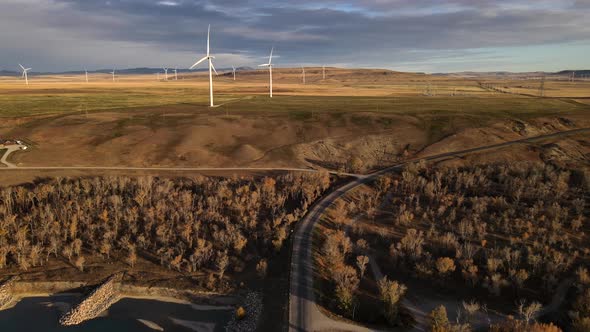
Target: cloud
60,34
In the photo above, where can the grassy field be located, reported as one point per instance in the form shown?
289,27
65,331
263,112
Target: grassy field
138,121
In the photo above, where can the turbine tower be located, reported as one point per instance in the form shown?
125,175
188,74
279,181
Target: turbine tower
25,75
86,74
303,73
234,71
165,73
176,74
269,65
208,57
113,73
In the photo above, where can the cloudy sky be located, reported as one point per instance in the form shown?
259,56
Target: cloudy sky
408,35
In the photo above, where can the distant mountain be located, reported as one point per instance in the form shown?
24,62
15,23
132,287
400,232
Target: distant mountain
9,73
579,73
507,73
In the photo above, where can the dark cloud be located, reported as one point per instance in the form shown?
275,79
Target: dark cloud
381,33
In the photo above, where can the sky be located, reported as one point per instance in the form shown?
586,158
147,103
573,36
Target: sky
405,35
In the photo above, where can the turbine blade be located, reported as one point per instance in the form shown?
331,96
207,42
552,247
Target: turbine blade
270,59
198,62
264,65
208,35
21,66
212,66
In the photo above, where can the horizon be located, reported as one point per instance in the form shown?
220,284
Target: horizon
408,36
154,70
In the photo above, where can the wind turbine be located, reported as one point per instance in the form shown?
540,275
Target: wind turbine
166,73
208,57
113,73
234,71
303,73
269,65
176,74
25,71
86,73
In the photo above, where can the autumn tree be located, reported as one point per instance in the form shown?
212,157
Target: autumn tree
391,294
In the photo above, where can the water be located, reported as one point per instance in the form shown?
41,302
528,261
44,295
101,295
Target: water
33,314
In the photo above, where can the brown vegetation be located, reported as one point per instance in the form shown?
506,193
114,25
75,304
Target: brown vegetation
186,225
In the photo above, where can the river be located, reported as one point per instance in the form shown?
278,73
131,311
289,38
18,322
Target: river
127,315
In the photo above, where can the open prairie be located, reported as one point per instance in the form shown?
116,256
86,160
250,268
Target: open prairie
379,116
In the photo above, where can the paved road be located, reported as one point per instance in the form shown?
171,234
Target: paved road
304,314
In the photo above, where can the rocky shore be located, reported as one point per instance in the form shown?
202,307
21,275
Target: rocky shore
94,304
6,293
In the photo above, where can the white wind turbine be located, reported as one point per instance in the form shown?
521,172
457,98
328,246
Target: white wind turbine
86,73
208,57
234,71
113,73
176,74
165,73
269,65
303,73
25,71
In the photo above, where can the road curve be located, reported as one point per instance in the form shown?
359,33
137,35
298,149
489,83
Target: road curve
304,314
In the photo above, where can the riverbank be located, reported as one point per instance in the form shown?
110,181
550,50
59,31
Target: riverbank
135,309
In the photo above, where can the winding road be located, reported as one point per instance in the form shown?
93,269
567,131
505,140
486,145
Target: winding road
304,314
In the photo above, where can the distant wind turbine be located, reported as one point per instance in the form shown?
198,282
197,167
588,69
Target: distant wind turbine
269,65
303,73
25,73
113,73
234,71
208,57
86,73
165,73
176,74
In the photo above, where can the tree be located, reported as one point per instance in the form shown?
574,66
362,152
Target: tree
444,266
79,263
581,324
355,164
529,312
132,257
391,294
361,263
347,282
222,262
261,268
471,308
439,321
